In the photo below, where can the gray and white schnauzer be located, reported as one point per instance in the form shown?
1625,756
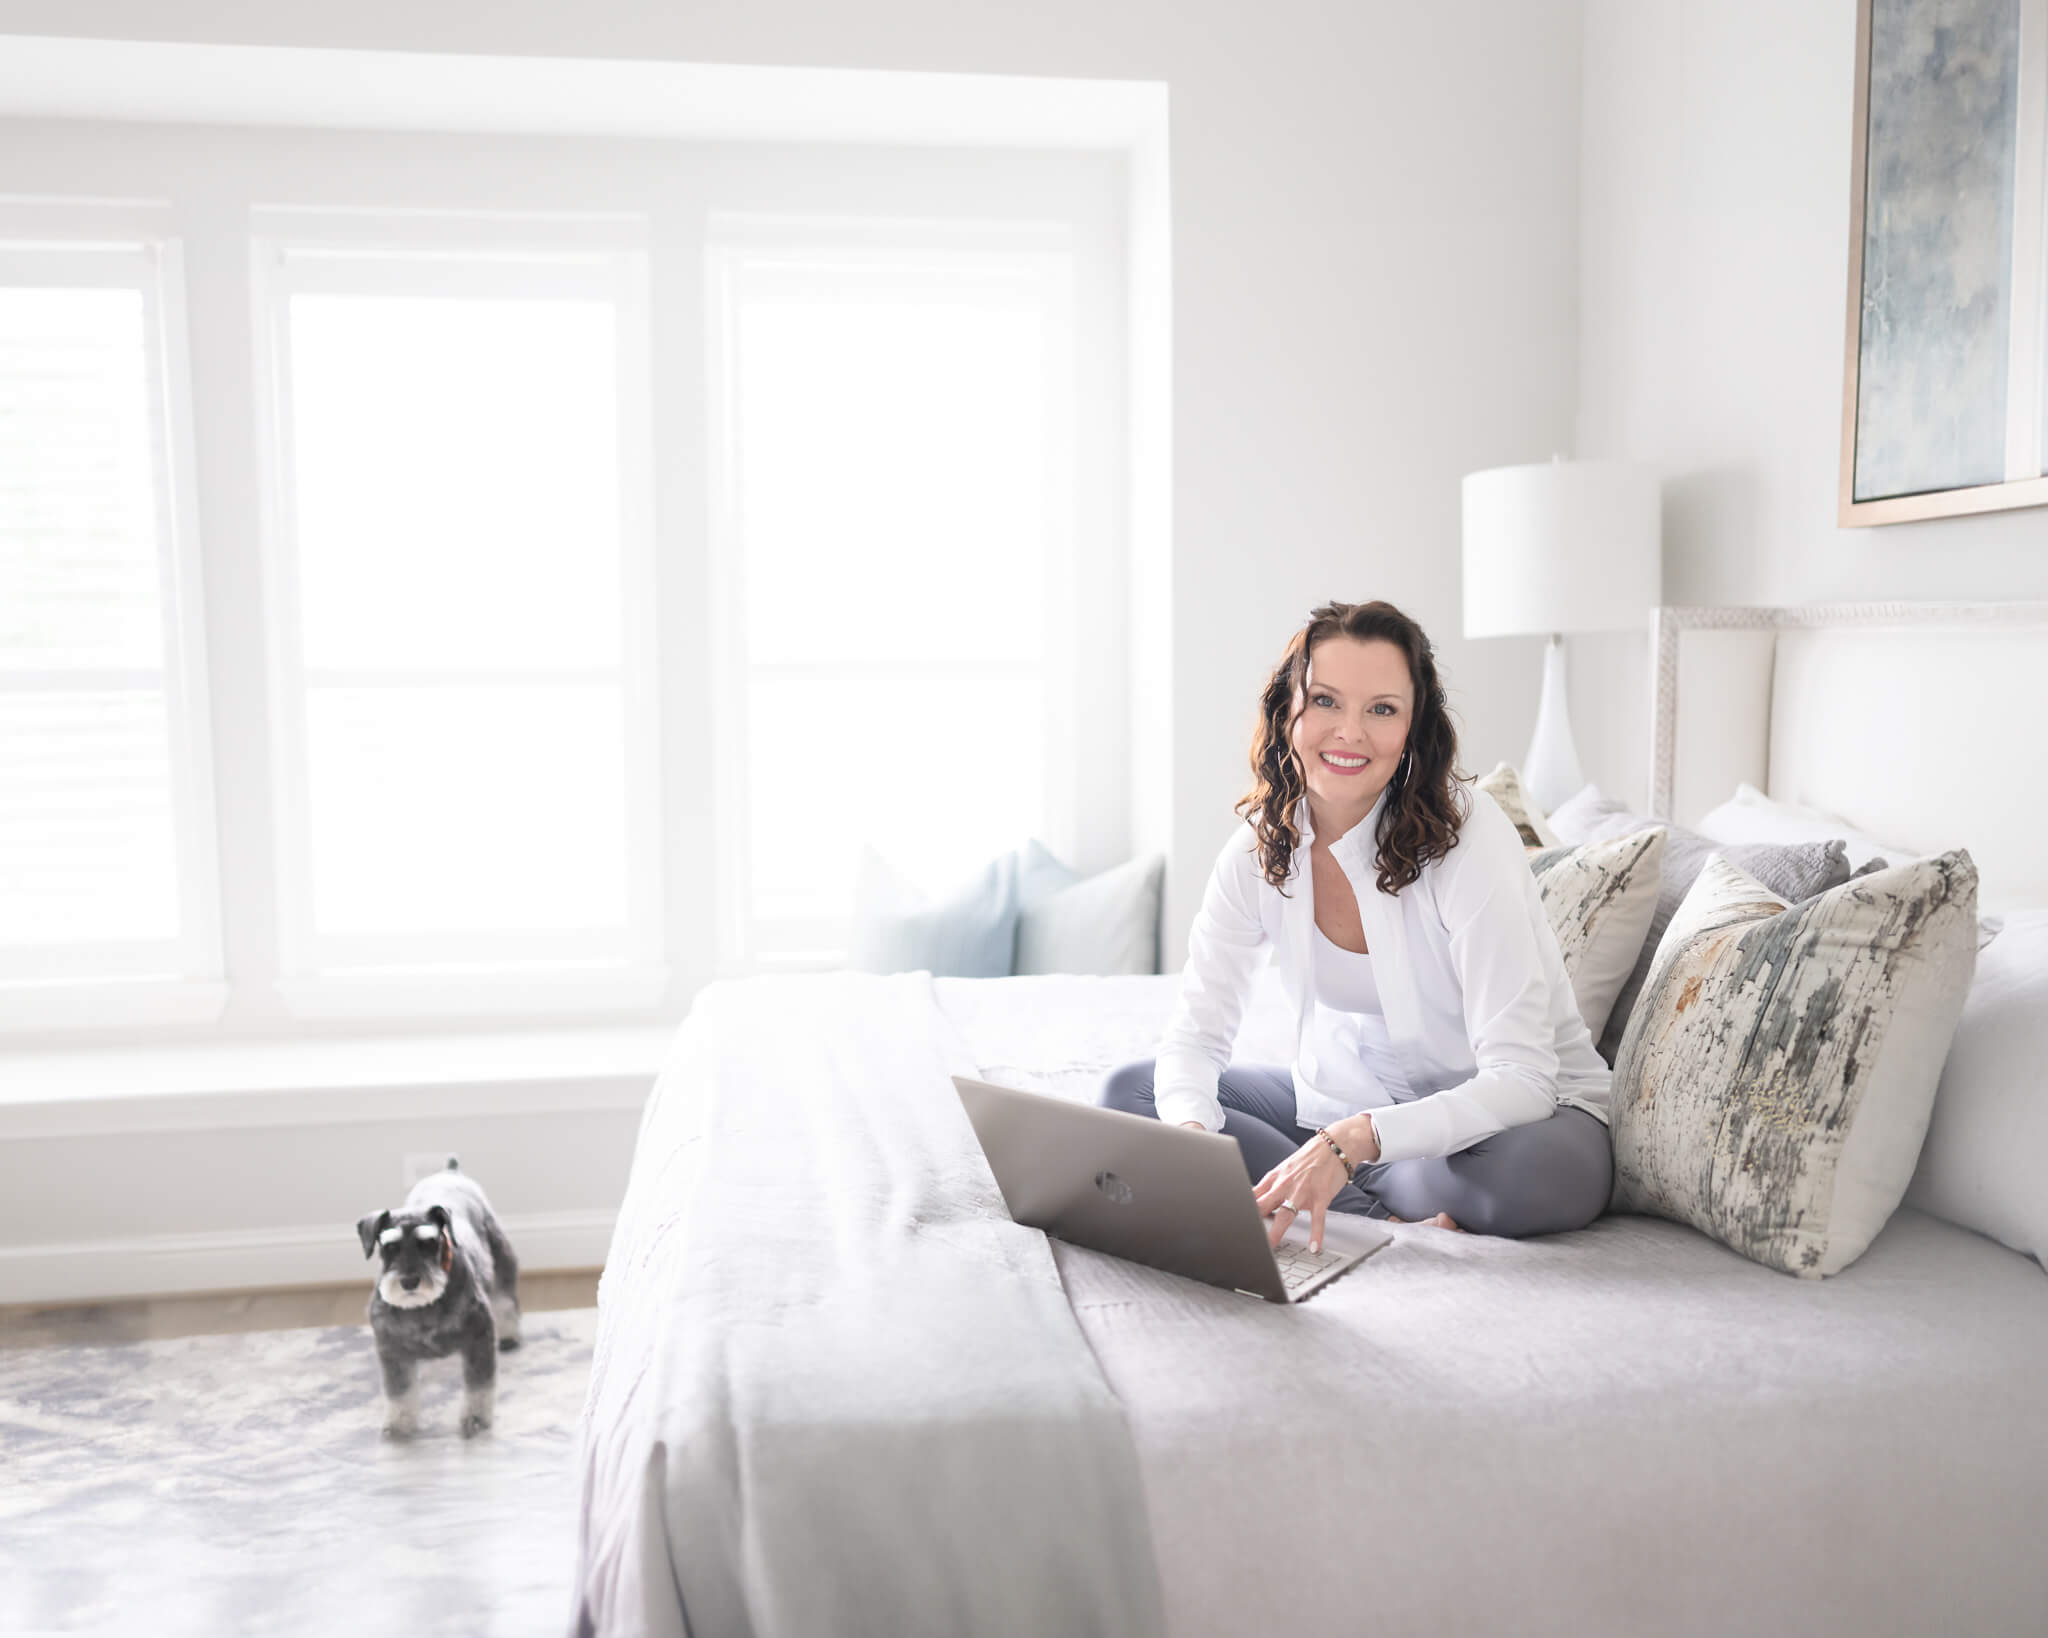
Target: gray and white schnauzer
448,1282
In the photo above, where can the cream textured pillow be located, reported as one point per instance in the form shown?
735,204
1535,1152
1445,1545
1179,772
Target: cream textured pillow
1504,785
1774,1083
1599,899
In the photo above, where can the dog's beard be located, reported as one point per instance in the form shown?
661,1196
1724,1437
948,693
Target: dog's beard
429,1290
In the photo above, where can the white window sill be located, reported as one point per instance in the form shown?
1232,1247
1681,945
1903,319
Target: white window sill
114,1003
85,1091
83,1007
474,995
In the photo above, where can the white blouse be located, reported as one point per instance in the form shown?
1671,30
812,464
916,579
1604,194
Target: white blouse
1475,1030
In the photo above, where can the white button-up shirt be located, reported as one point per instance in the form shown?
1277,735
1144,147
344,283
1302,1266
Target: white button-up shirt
1479,1010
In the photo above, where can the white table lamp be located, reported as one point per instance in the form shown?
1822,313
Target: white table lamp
1558,547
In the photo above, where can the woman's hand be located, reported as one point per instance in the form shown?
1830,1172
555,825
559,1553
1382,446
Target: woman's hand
1309,1179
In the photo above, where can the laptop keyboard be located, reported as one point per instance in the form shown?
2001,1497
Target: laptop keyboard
1299,1265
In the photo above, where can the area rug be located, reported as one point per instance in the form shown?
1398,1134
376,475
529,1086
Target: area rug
241,1485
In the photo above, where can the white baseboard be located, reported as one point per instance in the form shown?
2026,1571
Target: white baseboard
309,1254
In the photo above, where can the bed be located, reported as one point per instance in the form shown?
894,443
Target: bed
836,1390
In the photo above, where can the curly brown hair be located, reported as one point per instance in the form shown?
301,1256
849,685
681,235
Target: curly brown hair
1425,806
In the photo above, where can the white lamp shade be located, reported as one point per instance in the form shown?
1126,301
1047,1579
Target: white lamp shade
1561,546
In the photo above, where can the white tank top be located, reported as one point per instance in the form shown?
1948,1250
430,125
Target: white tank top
1344,978
1355,1053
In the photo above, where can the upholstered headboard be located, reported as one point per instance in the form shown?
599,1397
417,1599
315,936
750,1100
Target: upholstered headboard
1916,722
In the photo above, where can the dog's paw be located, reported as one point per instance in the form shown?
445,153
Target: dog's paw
401,1427
507,1344
477,1406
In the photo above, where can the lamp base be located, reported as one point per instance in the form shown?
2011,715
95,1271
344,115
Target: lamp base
1550,772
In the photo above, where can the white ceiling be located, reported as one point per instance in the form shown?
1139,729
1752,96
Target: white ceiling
397,90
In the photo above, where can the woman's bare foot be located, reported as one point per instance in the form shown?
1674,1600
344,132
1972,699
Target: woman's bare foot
1441,1220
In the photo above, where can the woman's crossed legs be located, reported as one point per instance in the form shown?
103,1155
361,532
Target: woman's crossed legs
1540,1178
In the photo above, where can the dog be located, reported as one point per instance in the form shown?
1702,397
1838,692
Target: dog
449,1283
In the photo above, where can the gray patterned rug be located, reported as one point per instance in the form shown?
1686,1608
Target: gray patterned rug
239,1485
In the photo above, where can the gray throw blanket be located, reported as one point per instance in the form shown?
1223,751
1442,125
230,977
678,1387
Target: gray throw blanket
836,1389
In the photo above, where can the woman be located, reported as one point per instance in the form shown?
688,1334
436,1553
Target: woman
1442,1070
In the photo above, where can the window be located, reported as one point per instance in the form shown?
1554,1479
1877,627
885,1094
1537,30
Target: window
107,867
894,433
461,612
836,432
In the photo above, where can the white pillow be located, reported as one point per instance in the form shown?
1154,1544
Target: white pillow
1751,816
1107,923
1981,1166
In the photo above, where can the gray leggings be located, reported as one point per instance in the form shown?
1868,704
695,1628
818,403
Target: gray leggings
1540,1178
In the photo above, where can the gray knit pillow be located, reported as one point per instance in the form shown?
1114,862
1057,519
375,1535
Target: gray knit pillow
1795,871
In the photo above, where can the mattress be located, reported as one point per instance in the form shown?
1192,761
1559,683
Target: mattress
1624,1429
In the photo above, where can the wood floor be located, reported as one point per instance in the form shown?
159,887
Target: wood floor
142,1319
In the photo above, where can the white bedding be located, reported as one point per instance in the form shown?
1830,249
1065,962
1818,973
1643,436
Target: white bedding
1627,1429
1623,1430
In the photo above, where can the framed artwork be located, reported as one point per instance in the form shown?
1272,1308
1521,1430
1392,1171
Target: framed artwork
1944,381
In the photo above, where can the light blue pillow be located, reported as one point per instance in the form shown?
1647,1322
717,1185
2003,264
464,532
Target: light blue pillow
896,929
1040,874
1107,923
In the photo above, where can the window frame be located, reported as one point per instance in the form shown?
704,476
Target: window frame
215,183
179,980
523,254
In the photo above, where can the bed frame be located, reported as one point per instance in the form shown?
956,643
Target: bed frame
1916,722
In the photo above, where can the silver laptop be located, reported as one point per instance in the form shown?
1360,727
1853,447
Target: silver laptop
1156,1193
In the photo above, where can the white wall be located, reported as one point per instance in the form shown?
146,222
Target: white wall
1714,244
1374,284
1373,263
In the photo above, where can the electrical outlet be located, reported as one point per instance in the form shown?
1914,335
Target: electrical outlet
418,1166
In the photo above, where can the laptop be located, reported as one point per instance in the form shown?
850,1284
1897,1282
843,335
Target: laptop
1152,1192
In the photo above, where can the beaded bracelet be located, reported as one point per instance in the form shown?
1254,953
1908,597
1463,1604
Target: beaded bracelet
1350,1171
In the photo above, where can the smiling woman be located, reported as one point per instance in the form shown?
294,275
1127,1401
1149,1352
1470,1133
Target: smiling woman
1443,1069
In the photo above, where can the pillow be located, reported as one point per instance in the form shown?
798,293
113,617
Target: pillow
1981,1166
1599,899
1504,785
1108,923
1794,871
1574,818
1751,816
1776,1079
896,929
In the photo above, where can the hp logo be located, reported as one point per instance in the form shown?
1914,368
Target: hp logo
1113,1186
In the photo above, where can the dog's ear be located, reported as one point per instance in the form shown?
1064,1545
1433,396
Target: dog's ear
439,1214
368,1228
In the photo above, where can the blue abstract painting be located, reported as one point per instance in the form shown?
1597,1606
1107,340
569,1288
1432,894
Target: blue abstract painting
1937,246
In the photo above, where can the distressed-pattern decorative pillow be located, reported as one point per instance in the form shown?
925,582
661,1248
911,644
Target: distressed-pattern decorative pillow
1599,899
1774,1085
1504,785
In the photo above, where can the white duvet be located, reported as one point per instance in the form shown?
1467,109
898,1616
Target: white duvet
1628,1429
